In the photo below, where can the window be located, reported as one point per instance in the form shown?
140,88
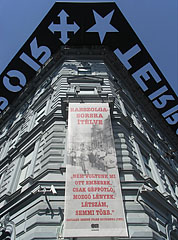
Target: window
17,118
170,186
146,162
86,90
2,174
136,119
25,167
84,70
13,141
40,113
173,234
173,186
4,150
85,85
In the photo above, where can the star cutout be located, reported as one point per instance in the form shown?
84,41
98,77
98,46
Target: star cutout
102,25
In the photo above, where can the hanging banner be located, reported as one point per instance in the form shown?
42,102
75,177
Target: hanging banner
93,200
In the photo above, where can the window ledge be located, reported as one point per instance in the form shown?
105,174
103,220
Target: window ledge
150,181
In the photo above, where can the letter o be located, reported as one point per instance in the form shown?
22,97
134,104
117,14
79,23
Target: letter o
17,74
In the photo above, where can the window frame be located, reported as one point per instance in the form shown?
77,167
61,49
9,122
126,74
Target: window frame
84,70
26,166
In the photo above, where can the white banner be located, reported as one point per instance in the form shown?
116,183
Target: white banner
93,200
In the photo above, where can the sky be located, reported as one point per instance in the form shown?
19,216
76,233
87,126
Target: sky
154,21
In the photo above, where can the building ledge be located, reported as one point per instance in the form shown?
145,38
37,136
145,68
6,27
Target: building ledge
159,199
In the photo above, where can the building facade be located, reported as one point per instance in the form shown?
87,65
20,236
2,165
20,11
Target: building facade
33,134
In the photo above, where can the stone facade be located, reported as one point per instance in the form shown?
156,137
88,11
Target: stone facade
33,134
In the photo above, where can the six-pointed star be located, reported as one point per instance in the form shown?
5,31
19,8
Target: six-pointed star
102,25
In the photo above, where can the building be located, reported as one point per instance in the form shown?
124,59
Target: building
33,135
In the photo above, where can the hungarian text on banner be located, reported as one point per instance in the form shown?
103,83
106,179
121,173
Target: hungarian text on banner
93,200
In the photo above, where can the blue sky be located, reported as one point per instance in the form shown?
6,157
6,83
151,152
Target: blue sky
154,21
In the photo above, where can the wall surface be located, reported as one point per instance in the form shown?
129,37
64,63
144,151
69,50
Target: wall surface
33,153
